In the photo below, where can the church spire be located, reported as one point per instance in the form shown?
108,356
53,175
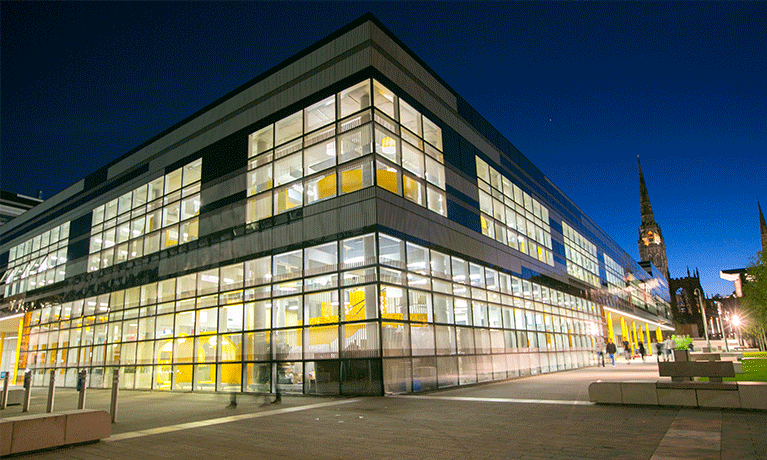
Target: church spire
652,248
647,216
762,227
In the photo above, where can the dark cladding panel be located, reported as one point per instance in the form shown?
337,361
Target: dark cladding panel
80,226
463,216
224,156
96,178
78,249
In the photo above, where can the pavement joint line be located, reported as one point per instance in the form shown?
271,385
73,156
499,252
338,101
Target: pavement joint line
706,440
220,420
502,400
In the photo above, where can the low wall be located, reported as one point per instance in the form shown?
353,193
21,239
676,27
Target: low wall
28,433
731,395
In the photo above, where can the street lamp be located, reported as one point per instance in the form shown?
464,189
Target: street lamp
721,326
703,312
736,323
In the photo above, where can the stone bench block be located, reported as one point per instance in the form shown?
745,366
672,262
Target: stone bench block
718,398
605,392
87,425
677,397
728,386
753,395
639,392
28,433
39,431
711,369
6,434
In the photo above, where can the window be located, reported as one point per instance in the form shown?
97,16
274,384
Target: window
355,98
320,114
288,128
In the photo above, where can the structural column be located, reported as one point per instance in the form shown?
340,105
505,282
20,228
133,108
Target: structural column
610,333
647,333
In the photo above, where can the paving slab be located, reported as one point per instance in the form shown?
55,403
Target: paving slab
498,420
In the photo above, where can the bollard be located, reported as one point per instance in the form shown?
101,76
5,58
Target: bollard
115,386
81,386
27,390
4,396
51,390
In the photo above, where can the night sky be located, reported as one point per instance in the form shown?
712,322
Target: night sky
581,89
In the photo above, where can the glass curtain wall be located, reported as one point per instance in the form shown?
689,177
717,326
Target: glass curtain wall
37,262
328,149
150,218
362,315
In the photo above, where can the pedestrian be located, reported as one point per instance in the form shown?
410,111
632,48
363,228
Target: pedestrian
600,349
642,351
627,351
658,349
668,345
611,351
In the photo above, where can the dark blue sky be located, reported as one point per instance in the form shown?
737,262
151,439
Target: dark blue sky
580,88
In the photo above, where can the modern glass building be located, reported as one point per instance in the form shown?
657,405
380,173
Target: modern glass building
343,224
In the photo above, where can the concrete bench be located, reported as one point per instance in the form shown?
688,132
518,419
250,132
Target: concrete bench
705,357
681,371
732,395
28,433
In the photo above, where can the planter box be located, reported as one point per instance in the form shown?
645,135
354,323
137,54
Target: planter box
681,355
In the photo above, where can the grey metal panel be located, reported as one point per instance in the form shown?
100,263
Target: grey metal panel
321,225
77,267
461,184
292,233
224,251
168,266
223,187
356,215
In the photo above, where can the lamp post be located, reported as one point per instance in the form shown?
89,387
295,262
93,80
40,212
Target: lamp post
721,326
703,312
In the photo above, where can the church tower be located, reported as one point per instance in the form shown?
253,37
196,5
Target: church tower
651,245
762,227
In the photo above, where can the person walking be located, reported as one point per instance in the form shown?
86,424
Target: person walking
600,349
668,345
642,351
611,351
627,351
658,349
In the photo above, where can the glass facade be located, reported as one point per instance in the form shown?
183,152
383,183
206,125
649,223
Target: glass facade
353,314
152,217
37,262
581,256
511,216
326,150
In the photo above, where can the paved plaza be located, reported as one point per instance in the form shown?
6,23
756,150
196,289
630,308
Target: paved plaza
545,416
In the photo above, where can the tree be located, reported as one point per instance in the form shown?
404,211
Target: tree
754,299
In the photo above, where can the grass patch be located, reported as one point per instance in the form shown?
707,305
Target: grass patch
754,370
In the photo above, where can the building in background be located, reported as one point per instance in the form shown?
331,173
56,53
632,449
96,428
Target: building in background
343,224
730,305
12,205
